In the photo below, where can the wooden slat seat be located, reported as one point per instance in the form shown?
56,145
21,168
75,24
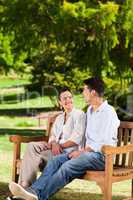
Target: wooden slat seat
116,172
93,175
123,171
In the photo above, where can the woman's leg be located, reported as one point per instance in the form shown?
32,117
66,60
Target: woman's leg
30,163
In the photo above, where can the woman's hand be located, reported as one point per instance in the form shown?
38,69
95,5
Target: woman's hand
42,146
49,145
56,149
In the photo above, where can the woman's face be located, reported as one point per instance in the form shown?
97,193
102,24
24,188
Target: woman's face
66,100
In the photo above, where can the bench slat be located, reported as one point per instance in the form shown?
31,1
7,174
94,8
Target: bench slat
125,142
130,161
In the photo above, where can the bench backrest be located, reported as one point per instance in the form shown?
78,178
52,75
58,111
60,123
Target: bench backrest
125,137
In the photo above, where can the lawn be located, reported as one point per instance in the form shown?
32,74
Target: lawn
16,102
12,81
78,189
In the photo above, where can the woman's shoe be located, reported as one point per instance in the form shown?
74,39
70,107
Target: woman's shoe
19,192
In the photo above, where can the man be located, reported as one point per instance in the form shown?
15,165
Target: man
102,125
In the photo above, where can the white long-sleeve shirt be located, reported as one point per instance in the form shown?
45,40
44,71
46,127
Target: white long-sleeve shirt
73,130
102,127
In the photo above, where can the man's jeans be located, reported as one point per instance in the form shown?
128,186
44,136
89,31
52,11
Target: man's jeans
61,170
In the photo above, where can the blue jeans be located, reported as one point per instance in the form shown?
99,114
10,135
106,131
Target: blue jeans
61,170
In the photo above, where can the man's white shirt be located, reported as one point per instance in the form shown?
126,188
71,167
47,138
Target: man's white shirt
102,127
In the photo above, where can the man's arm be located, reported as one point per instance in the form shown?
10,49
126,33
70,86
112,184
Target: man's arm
76,154
68,144
58,148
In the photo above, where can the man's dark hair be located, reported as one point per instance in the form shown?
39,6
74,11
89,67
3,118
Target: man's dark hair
95,83
63,89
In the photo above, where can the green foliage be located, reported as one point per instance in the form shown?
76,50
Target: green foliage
128,25
63,39
91,31
74,79
6,56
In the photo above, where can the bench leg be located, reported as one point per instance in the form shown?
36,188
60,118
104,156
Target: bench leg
106,190
14,174
16,156
107,193
132,188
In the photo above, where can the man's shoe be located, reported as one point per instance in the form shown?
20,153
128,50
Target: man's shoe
19,192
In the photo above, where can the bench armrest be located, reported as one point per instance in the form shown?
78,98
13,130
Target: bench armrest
26,139
110,150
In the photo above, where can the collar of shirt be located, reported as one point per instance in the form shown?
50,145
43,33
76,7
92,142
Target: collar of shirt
70,113
100,108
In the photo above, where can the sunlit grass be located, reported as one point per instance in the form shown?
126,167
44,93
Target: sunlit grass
6,82
12,122
39,102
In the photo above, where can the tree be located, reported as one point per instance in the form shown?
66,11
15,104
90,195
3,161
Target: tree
61,39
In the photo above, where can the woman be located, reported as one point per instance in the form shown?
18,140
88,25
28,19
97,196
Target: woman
66,136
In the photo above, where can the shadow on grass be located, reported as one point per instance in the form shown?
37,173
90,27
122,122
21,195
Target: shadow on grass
4,191
64,194
70,194
12,98
29,111
22,131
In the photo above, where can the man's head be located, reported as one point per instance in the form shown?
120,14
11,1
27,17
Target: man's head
93,88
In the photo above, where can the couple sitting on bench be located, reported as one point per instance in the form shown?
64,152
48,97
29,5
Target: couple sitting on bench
69,152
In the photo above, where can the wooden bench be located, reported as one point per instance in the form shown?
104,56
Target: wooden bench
118,160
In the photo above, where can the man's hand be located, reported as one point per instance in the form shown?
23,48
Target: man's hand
56,149
74,154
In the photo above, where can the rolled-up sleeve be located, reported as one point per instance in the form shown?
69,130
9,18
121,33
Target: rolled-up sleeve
79,129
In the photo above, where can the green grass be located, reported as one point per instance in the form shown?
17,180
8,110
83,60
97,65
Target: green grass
78,189
10,82
12,122
15,98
